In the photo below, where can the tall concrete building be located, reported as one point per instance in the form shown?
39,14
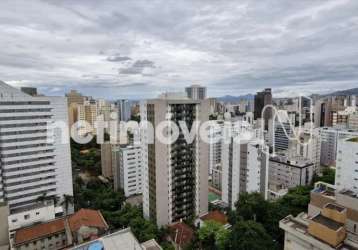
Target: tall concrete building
74,99
88,112
325,110
262,99
106,160
129,174
176,174
347,164
34,160
196,92
308,146
329,140
244,169
353,121
124,110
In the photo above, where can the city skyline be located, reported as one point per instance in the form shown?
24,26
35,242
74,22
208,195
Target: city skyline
137,50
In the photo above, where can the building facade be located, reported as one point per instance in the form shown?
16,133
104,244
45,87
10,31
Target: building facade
130,171
329,139
106,160
331,222
34,159
347,164
244,170
262,99
124,110
175,174
196,92
289,172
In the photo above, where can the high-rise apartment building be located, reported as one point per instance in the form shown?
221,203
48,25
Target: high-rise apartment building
175,183
244,169
75,97
262,99
347,164
329,140
196,92
88,112
353,121
129,174
215,135
106,160
124,110
34,160
308,146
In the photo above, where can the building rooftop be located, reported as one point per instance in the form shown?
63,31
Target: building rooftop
87,217
299,227
181,233
216,216
122,239
297,161
331,224
39,231
84,217
335,207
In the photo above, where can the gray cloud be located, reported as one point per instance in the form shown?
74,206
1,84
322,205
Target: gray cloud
232,47
118,58
137,67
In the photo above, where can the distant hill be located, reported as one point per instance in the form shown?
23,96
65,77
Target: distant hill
230,98
344,92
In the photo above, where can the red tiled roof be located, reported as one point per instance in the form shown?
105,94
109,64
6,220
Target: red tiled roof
181,233
83,217
39,231
216,216
87,217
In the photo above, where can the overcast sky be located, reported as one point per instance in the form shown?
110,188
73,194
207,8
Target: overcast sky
137,49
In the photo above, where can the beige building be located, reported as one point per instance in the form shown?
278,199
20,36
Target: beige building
106,160
175,175
4,228
74,99
88,112
353,121
331,221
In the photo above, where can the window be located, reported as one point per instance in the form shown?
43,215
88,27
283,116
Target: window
14,220
26,216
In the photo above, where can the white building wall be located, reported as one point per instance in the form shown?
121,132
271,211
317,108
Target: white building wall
347,165
63,165
131,170
241,170
27,149
38,214
34,161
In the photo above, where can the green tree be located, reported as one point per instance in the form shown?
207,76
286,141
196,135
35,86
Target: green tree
251,207
213,235
328,176
249,235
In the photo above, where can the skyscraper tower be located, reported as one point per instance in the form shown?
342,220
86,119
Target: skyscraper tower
262,99
175,175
